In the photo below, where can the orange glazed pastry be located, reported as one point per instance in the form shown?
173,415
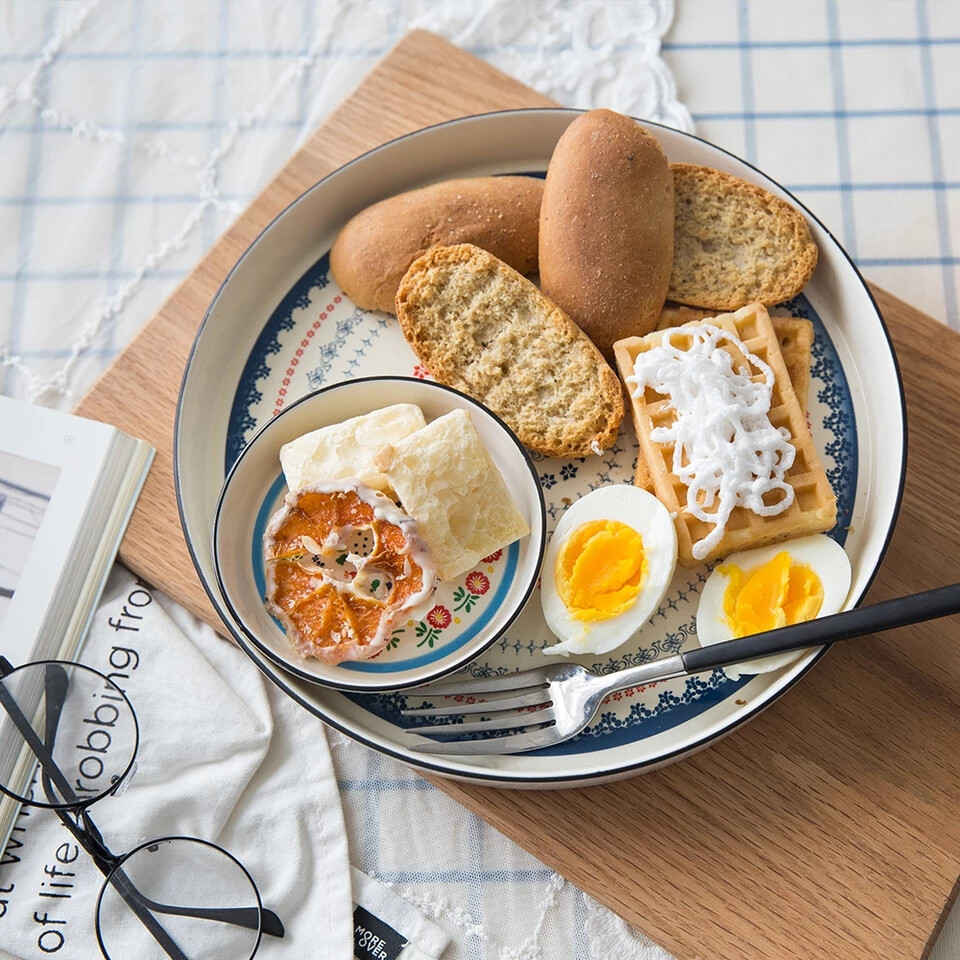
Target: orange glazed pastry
343,562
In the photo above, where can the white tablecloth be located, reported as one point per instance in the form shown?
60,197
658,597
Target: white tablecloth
131,133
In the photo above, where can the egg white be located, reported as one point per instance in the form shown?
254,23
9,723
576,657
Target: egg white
824,556
645,514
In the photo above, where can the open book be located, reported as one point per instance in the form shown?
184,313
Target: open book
67,489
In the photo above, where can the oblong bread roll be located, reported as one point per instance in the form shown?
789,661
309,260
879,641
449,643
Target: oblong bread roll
606,227
376,247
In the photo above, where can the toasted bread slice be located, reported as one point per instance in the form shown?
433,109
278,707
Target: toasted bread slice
735,243
481,327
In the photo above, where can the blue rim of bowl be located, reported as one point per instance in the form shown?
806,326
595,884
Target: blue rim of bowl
619,770
464,657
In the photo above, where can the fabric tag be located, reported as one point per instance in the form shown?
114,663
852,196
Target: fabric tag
387,927
373,939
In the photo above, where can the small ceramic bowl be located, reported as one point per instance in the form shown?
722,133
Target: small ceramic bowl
467,615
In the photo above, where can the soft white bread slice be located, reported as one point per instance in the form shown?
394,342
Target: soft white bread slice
735,243
447,482
481,327
347,449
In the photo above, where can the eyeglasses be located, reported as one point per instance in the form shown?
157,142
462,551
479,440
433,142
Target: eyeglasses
174,897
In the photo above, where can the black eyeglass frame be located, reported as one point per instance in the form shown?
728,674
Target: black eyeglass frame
73,813
39,748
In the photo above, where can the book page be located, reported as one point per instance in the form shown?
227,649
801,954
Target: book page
25,490
49,466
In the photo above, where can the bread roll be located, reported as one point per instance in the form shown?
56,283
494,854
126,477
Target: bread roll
606,227
479,326
375,248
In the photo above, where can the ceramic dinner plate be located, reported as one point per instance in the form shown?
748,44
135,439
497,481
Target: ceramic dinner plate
280,328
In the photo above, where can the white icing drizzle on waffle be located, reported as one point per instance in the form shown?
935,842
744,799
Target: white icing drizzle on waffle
726,451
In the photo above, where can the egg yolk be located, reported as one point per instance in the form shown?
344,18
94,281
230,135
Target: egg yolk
599,569
775,594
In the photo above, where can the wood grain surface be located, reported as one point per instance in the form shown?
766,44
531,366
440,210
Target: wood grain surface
824,829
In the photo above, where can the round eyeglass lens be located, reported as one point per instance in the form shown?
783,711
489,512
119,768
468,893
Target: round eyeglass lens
179,898
75,722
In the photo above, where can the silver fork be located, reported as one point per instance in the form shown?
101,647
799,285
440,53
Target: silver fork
550,704
559,700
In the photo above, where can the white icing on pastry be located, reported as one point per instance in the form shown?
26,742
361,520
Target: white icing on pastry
726,451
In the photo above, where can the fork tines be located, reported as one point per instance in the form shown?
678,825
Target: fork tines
526,703
473,685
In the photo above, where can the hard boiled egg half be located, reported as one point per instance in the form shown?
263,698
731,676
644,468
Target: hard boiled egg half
607,568
758,590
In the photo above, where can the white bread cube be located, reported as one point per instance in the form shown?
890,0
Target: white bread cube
448,483
348,449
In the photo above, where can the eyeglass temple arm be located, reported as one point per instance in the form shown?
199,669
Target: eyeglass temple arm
39,748
57,683
270,923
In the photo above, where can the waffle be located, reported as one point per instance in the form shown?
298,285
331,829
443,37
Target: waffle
814,508
794,334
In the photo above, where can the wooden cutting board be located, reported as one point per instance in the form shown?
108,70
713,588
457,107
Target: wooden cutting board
827,827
